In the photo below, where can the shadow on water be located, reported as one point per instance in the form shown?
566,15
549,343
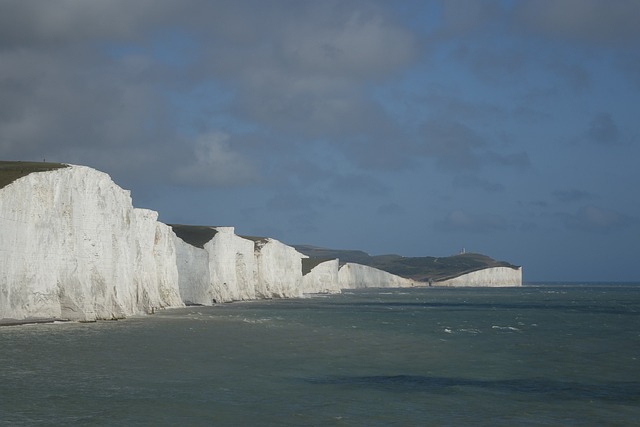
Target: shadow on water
542,388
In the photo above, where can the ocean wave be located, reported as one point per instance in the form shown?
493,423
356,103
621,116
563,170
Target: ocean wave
505,328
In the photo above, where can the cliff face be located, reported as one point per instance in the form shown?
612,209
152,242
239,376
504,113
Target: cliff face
229,267
322,277
194,277
355,276
223,270
495,276
233,266
73,247
279,269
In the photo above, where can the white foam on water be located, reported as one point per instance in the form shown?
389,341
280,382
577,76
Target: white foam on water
505,328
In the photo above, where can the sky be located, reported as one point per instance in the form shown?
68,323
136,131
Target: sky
414,127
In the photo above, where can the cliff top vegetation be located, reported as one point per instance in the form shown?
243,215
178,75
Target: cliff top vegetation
12,170
195,235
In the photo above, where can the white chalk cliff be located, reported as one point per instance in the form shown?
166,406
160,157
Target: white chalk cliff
226,267
488,277
321,277
222,268
356,276
72,246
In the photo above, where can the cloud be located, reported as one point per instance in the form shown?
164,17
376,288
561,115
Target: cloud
357,184
453,144
467,17
94,83
600,21
292,201
495,65
459,220
391,209
519,160
69,106
306,73
572,195
453,106
215,163
358,43
603,130
457,146
46,24
596,219
473,183
573,74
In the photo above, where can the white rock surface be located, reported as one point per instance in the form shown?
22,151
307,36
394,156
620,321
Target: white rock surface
494,276
279,269
232,268
194,278
232,264
73,247
355,276
322,278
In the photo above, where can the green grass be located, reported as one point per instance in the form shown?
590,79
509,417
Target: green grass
10,171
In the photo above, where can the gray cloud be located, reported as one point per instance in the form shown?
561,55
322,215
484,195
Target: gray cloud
354,184
603,130
45,24
456,146
573,74
460,220
217,164
87,82
453,144
495,65
596,219
307,76
71,106
292,201
517,160
473,183
572,195
600,21
448,105
469,17
391,209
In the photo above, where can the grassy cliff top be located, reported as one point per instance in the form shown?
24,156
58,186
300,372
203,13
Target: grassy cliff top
195,235
421,269
10,171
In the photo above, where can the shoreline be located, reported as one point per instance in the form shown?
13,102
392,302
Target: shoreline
20,322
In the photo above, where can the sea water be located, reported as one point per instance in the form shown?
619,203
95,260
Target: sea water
531,356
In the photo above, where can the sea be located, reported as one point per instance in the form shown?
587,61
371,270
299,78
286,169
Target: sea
546,354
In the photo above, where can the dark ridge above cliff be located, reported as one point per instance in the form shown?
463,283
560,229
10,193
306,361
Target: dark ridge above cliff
12,170
423,269
309,264
195,235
